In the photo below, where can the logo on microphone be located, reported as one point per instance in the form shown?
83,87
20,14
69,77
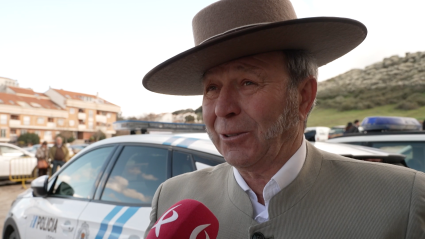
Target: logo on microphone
161,221
197,230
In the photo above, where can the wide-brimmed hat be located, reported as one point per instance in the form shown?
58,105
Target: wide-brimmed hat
231,29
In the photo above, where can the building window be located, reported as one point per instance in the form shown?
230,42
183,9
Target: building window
90,125
60,122
90,113
37,132
80,111
27,120
13,131
47,134
23,131
71,123
14,117
50,119
40,120
81,122
3,133
72,111
3,119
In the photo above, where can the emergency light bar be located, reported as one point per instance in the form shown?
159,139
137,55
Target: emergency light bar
387,123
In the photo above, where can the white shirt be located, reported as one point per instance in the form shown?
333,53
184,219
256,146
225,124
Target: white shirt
280,180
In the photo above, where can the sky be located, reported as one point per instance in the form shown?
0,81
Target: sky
106,47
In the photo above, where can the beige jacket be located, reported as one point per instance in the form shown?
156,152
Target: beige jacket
332,197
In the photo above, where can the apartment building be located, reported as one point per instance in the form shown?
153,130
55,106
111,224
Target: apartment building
47,114
86,113
9,82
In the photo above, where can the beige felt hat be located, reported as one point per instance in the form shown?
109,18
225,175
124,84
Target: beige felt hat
230,29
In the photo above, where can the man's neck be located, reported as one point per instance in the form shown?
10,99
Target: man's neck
258,176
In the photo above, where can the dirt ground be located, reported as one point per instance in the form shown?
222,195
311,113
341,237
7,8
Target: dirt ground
8,193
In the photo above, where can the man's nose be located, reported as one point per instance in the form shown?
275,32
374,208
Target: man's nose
227,103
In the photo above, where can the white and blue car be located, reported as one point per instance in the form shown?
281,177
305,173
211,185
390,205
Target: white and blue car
106,190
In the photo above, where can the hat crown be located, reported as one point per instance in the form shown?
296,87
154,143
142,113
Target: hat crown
226,15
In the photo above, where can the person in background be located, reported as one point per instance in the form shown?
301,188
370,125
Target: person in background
59,154
348,128
423,125
355,127
42,155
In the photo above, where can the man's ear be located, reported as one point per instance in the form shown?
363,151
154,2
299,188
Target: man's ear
307,94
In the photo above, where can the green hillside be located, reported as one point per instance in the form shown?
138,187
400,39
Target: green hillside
332,117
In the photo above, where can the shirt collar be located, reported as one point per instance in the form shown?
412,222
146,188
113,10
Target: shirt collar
286,174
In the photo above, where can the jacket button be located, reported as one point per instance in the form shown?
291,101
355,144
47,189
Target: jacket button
258,235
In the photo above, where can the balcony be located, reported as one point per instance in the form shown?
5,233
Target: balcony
82,116
14,123
81,127
51,124
101,118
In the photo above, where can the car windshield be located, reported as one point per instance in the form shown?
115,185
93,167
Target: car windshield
414,152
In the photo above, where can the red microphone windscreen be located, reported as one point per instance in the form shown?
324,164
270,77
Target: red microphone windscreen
187,219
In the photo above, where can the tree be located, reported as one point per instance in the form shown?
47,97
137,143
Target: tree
67,136
99,135
29,139
189,119
199,110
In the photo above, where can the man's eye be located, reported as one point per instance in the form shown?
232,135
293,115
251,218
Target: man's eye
247,83
211,88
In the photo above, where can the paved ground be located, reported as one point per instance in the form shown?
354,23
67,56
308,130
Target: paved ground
8,193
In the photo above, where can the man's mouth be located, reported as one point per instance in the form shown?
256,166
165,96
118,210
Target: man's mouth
231,135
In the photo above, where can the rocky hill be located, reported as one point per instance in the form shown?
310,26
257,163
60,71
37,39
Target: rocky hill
395,80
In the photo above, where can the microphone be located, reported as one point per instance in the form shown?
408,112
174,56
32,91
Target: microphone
187,219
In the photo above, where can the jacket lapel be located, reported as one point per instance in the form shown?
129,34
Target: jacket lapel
294,192
238,197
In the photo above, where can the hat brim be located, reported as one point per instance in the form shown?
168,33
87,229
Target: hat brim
326,38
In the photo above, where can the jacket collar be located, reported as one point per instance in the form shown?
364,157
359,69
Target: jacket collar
288,196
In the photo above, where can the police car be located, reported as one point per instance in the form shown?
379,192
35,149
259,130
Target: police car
400,135
106,190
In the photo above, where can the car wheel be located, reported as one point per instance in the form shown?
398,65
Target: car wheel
13,235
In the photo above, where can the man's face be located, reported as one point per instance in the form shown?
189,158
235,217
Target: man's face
59,141
246,108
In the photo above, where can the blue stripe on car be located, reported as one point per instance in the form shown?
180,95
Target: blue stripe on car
171,140
185,143
104,225
117,228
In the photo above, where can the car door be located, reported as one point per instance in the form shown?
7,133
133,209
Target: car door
70,190
122,203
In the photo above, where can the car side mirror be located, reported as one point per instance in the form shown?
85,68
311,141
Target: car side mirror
39,186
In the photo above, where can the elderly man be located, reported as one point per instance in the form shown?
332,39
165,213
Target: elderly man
256,66
59,154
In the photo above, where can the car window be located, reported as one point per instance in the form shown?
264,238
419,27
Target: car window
182,163
79,178
414,152
9,151
136,175
205,161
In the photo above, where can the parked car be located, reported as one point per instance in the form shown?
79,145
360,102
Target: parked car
394,135
106,190
78,147
319,134
19,161
336,131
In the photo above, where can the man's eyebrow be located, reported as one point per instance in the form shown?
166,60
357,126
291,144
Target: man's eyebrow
240,67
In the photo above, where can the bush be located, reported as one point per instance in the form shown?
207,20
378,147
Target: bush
29,138
407,105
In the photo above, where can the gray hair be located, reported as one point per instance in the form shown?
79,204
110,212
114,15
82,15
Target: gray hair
300,64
